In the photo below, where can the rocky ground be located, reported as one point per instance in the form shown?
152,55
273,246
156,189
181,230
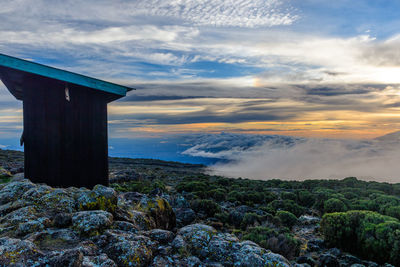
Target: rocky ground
44,226
118,226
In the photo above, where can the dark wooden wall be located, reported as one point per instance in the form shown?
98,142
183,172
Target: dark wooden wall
65,142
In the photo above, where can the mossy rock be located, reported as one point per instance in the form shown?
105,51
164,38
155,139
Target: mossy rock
159,209
4,173
91,223
100,198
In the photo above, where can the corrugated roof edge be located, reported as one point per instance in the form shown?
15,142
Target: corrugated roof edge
62,75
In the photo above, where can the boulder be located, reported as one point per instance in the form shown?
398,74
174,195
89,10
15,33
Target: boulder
33,226
11,206
251,255
69,257
197,237
125,226
14,190
222,247
57,200
35,193
98,261
18,252
18,216
328,260
180,202
184,216
127,249
55,239
100,198
161,236
159,210
91,222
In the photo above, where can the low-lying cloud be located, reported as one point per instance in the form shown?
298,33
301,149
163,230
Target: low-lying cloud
299,158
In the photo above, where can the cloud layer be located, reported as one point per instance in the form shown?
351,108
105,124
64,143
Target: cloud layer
279,157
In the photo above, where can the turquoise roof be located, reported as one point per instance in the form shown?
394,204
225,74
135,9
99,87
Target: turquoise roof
62,75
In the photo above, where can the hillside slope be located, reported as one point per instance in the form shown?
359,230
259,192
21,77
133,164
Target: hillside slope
158,213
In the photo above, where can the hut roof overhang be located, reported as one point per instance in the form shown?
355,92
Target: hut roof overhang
13,70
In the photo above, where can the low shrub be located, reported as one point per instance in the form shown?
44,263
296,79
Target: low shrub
205,206
334,205
279,242
250,219
365,233
287,218
192,186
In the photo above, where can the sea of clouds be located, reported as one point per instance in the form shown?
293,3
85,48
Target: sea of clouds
292,158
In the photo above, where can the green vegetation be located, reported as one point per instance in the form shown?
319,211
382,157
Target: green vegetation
287,218
5,176
334,205
279,242
364,233
267,211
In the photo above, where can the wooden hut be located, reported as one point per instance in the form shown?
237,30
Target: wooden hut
65,122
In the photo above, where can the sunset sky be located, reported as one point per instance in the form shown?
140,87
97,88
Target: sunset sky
307,68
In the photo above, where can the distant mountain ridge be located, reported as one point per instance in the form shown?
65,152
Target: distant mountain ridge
392,137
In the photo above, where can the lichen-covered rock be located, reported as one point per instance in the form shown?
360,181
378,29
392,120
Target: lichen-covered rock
125,226
91,222
69,257
184,216
55,239
130,198
57,200
35,193
160,210
161,236
197,238
11,206
178,243
33,226
100,198
160,261
222,246
18,216
88,248
275,260
223,249
98,261
180,202
128,249
59,228
251,255
13,190
166,261
16,252
142,220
